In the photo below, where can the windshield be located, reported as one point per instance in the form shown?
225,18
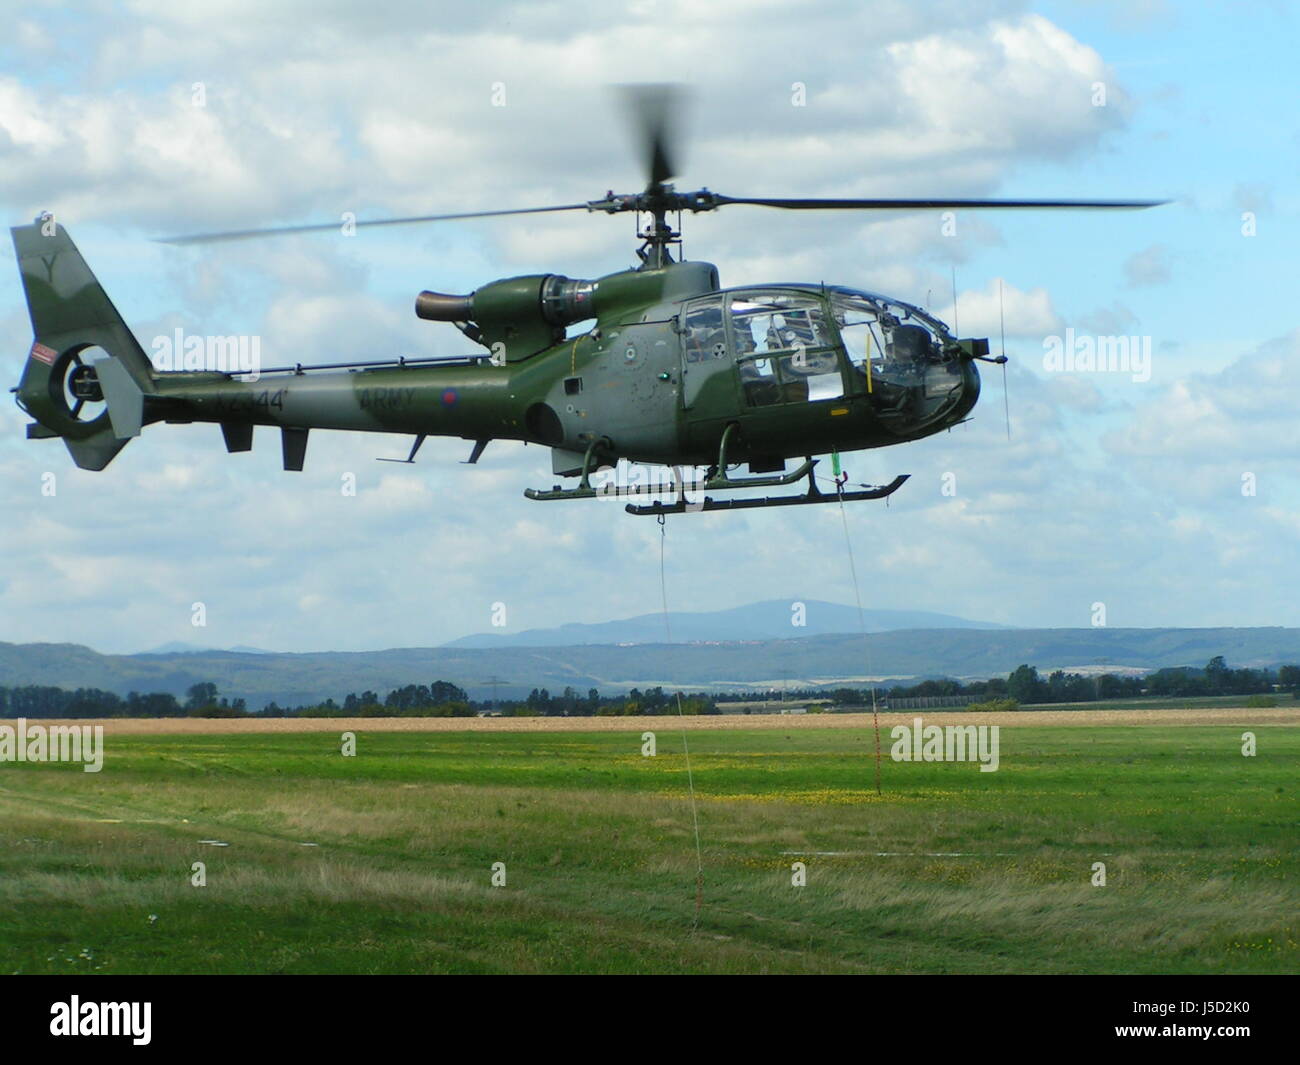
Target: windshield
900,355
804,344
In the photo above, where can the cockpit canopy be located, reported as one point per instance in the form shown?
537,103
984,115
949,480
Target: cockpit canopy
807,344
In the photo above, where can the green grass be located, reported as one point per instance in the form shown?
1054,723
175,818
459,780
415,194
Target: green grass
1200,846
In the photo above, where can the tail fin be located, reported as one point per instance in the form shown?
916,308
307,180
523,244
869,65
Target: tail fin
72,314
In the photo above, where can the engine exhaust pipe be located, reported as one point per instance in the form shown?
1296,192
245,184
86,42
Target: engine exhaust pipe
440,307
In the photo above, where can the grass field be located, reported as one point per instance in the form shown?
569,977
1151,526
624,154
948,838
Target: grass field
382,862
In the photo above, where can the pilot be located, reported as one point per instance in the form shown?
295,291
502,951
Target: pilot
907,348
910,343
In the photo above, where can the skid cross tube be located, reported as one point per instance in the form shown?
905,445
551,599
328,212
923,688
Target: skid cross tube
584,489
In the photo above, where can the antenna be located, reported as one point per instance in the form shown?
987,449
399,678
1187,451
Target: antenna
955,327
1002,325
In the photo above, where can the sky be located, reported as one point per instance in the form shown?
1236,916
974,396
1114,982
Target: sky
1167,499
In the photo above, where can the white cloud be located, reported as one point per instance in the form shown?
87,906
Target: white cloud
317,108
983,312
1231,417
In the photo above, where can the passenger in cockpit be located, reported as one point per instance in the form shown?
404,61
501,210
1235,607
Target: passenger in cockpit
902,370
910,344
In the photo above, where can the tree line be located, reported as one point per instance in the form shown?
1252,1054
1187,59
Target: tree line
445,699
439,699
1217,678
1026,685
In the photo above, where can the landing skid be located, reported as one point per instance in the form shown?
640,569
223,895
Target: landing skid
813,495
715,481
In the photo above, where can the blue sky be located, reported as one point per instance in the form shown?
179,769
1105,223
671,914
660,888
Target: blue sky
1111,490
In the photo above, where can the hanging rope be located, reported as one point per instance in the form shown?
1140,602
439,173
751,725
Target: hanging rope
840,480
690,778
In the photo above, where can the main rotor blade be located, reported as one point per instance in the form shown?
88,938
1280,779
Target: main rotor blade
655,110
279,231
921,205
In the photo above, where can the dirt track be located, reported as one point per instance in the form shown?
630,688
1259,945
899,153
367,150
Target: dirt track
1079,718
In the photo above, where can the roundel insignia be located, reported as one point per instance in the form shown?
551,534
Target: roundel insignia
449,397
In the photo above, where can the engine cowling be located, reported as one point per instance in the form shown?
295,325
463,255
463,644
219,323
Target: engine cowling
518,316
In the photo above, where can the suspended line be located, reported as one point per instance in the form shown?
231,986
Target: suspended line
690,778
857,595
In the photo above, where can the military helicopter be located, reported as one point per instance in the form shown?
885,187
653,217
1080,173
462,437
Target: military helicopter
674,370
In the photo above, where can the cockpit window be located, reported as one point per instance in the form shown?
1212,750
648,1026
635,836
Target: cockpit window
705,339
784,349
860,331
897,355
772,322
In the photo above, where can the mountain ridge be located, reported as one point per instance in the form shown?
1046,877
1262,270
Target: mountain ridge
767,619
827,660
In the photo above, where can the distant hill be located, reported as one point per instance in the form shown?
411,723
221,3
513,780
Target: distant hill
821,660
770,620
176,647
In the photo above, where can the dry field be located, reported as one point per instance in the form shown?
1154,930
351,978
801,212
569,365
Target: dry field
181,726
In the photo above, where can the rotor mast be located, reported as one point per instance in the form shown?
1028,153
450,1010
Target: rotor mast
653,110
658,235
